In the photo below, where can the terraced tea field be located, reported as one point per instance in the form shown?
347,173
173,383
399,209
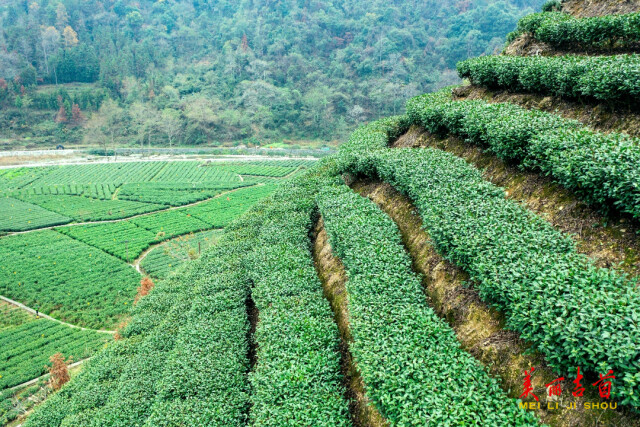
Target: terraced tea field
474,261
74,239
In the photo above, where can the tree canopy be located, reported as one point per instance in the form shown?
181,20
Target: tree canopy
269,69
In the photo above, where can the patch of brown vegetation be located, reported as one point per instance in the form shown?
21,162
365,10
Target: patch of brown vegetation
123,324
146,284
479,328
334,278
59,373
597,116
21,159
610,242
586,8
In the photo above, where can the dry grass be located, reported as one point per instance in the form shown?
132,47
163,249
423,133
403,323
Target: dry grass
585,8
146,284
59,373
20,160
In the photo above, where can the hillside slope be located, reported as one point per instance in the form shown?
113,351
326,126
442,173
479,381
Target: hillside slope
482,258
228,71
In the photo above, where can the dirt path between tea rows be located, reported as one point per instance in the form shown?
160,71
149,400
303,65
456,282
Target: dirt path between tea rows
45,316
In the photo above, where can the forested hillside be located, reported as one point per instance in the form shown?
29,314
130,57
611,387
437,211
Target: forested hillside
195,72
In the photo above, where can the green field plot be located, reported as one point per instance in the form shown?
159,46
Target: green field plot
101,173
271,171
11,316
25,346
66,279
220,211
97,191
170,223
14,403
175,193
16,215
13,179
193,171
121,239
83,208
267,168
161,260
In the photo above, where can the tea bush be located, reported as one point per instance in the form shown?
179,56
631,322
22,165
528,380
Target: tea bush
403,350
570,310
614,79
601,168
567,31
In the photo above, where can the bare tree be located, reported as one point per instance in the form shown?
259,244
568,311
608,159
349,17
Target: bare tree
94,131
145,120
171,124
50,40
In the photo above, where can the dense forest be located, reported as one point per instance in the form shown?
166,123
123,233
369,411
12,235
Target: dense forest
194,71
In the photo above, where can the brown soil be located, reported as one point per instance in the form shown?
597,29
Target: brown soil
585,8
479,328
334,278
526,45
611,243
597,116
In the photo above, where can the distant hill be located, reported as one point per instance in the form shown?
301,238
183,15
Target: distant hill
234,70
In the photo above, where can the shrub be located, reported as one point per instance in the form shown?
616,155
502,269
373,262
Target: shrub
611,79
601,168
566,31
383,290
552,6
558,300
59,373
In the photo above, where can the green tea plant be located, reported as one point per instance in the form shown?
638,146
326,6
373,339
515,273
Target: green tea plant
260,170
83,208
175,193
219,212
193,172
170,223
15,178
611,79
96,191
163,259
184,359
558,300
296,379
397,337
567,31
601,168
122,239
183,356
20,216
65,278
26,348
99,173
14,403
